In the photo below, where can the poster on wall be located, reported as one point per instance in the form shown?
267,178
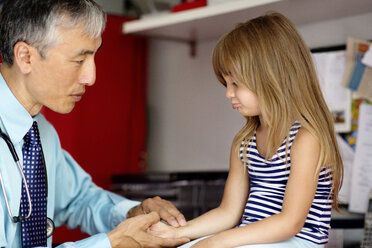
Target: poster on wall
330,67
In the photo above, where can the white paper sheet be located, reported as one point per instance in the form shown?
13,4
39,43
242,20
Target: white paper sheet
330,68
367,59
361,182
347,155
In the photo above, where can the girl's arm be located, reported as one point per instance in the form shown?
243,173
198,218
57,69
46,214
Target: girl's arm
224,217
228,214
297,201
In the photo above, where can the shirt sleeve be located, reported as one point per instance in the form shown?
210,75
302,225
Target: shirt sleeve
83,204
74,200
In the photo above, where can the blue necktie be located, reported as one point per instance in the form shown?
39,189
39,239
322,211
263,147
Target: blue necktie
34,228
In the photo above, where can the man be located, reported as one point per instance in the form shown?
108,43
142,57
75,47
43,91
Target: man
48,48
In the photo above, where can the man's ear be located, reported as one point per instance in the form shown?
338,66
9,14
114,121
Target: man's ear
22,56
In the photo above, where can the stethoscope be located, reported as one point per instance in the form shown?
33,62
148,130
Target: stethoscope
50,224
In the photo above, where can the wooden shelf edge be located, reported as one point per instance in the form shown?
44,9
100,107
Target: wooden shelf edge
168,19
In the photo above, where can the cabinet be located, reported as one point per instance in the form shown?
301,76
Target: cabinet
193,193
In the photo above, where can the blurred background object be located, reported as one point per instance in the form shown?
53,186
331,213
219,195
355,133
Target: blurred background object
142,8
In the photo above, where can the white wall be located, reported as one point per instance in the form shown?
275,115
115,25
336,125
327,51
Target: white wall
191,123
335,32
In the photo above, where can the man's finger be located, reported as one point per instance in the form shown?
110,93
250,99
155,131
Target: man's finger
170,219
171,214
178,215
181,219
165,209
150,219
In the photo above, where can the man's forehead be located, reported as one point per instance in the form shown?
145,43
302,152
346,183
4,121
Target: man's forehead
83,51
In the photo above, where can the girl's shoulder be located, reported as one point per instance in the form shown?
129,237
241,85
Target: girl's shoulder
303,134
305,143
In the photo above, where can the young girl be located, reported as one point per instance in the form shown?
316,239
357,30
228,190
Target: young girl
285,166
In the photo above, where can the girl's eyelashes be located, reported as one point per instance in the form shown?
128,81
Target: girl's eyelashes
234,84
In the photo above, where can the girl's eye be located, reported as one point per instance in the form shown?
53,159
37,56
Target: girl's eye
79,61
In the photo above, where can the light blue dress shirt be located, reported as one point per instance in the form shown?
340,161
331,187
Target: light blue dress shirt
73,199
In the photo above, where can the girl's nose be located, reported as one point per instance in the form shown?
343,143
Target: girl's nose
229,92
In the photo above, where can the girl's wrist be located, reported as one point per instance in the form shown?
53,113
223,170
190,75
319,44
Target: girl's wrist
182,231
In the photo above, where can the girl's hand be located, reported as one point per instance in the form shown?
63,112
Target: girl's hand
163,230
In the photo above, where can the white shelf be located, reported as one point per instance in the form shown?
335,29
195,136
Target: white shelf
212,21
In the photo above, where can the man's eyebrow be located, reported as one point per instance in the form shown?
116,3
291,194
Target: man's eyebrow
85,52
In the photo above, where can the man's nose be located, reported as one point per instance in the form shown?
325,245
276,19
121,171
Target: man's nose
88,76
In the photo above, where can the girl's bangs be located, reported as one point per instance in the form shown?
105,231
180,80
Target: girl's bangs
223,62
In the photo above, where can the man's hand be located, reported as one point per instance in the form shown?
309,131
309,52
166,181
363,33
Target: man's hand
163,230
132,233
164,208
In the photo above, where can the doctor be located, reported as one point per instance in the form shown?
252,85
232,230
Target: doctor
48,49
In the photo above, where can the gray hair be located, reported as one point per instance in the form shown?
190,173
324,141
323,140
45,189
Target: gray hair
36,22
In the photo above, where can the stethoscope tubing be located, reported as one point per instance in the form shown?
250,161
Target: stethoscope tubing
50,224
12,150
16,219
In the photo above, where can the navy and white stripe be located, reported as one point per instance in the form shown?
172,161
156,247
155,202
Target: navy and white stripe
268,180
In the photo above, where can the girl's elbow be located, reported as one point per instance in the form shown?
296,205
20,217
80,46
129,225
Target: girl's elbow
293,223
231,216
295,227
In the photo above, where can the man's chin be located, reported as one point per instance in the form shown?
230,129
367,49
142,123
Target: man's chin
63,110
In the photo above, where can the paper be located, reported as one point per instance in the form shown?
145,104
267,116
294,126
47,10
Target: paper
357,75
361,182
367,60
330,68
347,155
358,72
365,87
353,46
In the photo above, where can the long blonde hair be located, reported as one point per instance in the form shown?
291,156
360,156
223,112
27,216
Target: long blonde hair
268,56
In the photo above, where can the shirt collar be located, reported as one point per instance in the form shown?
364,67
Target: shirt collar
15,118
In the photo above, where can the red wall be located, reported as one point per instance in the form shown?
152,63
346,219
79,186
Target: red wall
106,131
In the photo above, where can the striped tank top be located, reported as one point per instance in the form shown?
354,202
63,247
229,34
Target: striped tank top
268,180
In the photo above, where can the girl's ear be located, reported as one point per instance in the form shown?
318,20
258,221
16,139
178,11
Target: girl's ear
22,56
